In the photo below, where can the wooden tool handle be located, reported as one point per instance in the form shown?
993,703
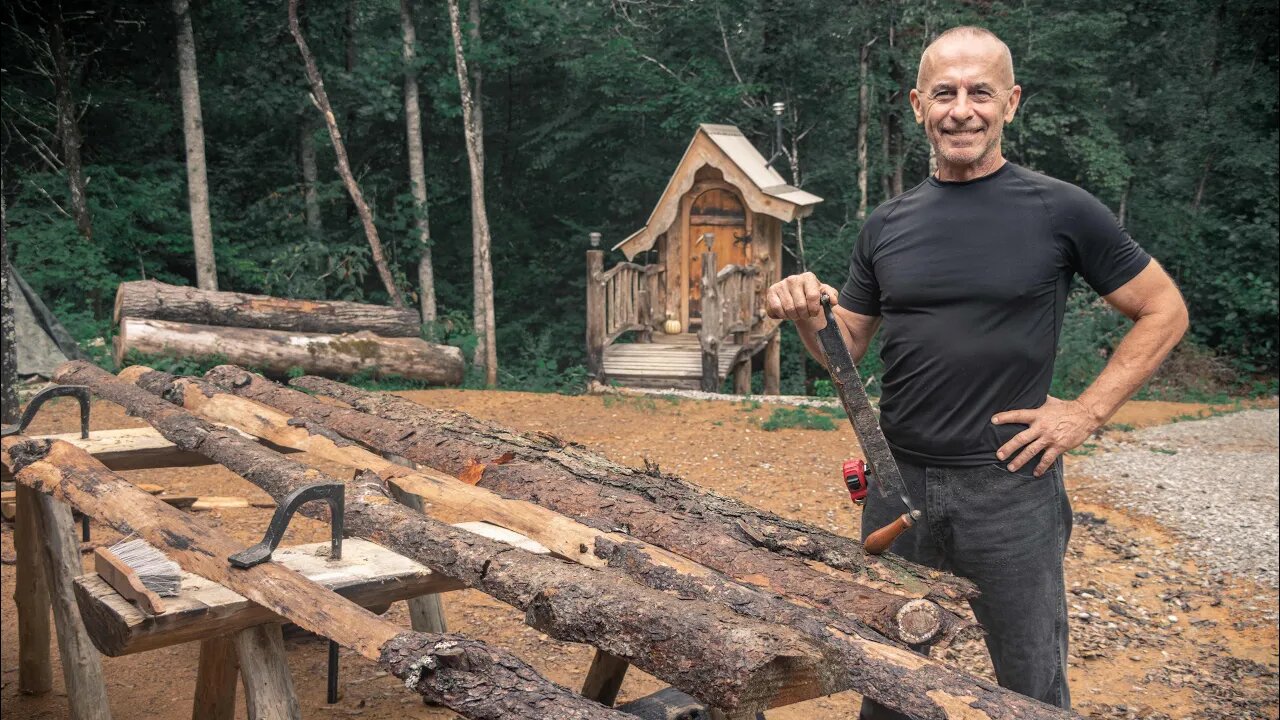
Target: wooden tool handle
125,581
880,540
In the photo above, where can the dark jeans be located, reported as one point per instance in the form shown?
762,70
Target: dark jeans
1008,533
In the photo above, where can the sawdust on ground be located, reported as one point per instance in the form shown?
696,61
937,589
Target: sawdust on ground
791,472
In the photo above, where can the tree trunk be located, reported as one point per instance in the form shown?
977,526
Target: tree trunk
600,494
864,106
321,100
458,500
310,176
159,301
280,352
193,133
417,164
9,410
465,675
69,130
473,128
707,650
890,675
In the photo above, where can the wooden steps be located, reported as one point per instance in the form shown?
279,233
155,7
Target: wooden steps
662,364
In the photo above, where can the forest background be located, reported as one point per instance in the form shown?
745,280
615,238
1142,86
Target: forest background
1164,109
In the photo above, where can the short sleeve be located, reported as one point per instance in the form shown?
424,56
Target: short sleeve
861,291
1097,246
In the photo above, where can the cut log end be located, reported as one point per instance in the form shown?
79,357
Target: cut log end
918,621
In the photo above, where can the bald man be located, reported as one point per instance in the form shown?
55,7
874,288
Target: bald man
968,274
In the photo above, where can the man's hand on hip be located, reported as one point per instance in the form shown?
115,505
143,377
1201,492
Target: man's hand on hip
797,297
1054,428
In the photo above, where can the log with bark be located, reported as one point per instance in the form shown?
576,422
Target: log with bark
723,659
897,678
278,351
741,521
469,677
461,446
160,301
645,563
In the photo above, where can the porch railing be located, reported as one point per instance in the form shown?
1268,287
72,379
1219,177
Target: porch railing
619,300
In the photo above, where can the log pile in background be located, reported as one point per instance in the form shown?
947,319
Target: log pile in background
278,334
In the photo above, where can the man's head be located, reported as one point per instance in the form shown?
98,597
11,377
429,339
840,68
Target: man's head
965,93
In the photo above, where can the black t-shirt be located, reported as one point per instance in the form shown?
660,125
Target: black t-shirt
971,279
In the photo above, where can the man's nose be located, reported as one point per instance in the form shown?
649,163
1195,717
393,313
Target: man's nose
961,108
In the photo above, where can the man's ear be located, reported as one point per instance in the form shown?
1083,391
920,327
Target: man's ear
1015,97
917,105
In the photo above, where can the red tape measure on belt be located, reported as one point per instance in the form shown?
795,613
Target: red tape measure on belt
856,476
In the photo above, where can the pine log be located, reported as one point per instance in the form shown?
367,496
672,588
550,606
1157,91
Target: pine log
739,520
459,445
894,677
159,301
465,675
278,351
747,523
650,565
721,658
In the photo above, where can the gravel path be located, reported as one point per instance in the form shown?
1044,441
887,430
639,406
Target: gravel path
1214,482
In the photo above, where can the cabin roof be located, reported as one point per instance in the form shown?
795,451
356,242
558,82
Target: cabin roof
725,148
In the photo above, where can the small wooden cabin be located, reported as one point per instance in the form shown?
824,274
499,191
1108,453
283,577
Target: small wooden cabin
690,295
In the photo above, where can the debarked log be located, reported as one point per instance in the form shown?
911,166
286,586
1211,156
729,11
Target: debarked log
469,677
278,351
472,455
160,301
738,519
723,659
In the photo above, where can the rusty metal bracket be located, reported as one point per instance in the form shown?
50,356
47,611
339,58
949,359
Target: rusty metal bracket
79,392
329,492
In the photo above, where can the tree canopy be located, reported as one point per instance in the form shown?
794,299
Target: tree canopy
1165,110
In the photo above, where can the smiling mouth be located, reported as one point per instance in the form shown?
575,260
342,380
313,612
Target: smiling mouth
962,133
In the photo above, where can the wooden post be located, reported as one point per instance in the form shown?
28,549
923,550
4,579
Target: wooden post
216,679
81,664
742,371
268,688
31,596
595,312
604,679
773,364
648,298
709,335
426,612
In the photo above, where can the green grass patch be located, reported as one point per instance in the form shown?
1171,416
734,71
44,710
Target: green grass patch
802,418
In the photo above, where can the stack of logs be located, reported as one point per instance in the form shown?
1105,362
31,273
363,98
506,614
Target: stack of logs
278,335
740,608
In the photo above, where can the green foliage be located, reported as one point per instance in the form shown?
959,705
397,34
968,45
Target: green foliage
803,418
1165,109
176,365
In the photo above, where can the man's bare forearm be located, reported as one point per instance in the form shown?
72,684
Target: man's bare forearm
857,342
1136,359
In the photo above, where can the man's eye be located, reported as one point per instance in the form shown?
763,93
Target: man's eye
944,94
983,95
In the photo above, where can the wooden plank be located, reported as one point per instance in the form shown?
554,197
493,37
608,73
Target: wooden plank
368,574
133,449
604,678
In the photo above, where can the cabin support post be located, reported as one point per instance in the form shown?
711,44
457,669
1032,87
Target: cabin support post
709,335
648,303
595,315
773,363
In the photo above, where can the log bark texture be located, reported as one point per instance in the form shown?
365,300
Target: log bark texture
721,658
278,351
736,519
465,675
650,565
161,301
538,470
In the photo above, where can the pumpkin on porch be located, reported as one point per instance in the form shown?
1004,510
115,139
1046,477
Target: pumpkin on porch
672,325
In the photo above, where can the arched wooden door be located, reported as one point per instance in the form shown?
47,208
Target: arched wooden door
718,221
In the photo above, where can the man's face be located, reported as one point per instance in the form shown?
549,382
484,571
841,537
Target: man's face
965,94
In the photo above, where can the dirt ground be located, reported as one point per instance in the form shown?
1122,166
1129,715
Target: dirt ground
1152,635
